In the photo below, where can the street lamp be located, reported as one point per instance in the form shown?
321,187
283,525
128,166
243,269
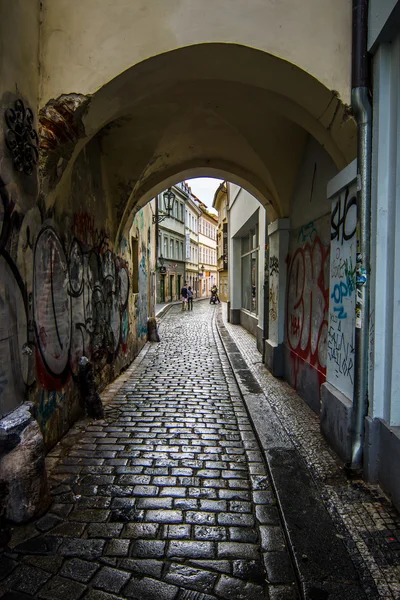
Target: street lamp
161,268
202,269
169,201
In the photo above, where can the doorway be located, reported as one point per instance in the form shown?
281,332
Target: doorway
162,289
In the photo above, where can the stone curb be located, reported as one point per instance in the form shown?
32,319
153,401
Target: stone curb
324,568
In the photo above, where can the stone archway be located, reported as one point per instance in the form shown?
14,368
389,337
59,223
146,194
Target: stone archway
225,109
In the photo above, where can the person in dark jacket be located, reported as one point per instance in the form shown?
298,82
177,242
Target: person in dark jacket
190,298
184,295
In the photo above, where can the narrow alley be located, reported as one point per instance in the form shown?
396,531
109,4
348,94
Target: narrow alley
169,497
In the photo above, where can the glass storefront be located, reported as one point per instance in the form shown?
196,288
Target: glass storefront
249,258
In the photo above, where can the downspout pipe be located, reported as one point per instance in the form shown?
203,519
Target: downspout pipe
361,104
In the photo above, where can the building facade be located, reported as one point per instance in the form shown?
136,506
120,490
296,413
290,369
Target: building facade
382,424
220,204
208,273
246,224
192,215
171,247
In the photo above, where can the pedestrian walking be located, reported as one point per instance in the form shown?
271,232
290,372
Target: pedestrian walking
184,295
190,298
214,295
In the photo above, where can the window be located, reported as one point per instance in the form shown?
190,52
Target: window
249,259
177,250
165,247
182,250
171,248
181,212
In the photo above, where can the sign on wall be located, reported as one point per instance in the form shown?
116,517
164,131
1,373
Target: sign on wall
187,253
187,246
342,290
225,245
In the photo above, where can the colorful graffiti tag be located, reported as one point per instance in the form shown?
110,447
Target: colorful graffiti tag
340,358
307,304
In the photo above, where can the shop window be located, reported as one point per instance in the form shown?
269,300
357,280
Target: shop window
249,263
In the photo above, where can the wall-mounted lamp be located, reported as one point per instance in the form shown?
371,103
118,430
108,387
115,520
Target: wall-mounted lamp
169,201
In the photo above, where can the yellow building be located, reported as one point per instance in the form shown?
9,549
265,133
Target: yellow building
220,203
208,274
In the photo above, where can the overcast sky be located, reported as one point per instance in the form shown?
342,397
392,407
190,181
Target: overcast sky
204,188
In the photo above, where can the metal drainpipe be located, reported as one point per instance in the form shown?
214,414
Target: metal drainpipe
361,104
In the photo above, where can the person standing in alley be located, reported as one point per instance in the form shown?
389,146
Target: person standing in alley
190,298
184,295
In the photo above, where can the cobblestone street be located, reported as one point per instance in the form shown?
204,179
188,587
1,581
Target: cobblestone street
169,497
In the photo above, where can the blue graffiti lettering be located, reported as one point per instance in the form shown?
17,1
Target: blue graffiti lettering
340,311
339,292
50,400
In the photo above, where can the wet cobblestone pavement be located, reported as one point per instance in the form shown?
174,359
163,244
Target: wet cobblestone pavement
167,498
364,518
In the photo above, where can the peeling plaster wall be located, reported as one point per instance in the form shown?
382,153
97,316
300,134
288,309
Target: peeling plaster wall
308,264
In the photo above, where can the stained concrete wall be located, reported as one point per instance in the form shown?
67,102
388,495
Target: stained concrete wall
77,44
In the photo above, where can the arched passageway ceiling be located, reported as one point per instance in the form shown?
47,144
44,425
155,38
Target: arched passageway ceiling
189,130
85,46
272,82
219,107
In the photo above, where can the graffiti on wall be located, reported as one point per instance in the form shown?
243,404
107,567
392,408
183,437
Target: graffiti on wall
80,304
340,359
273,302
15,372
307,233
273,265
141,304
307,305
55,305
